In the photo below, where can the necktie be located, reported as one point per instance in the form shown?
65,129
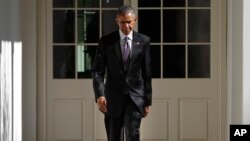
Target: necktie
125,51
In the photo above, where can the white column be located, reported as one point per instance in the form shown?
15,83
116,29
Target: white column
17,91
246,62
6,92
235,61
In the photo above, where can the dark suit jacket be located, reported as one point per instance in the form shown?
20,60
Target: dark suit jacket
136,81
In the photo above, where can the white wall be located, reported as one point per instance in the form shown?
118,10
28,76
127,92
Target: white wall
239,61
28,34
235,44
18,23
4,17
246,62
10,20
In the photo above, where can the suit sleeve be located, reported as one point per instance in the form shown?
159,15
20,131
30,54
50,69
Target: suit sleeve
98,71
146,74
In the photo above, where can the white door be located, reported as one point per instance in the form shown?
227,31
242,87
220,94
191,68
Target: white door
186,51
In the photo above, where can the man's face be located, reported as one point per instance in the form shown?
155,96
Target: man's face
126,22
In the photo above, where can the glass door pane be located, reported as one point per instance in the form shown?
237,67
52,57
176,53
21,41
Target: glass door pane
88,26
174,26
174,3
199,25
150,26
88,3
63,26
63,3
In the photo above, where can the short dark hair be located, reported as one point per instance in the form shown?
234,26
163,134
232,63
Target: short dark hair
125,9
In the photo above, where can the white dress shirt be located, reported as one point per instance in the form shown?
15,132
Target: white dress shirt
130,38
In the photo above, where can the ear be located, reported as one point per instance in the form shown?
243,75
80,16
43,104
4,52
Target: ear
116,20
136,18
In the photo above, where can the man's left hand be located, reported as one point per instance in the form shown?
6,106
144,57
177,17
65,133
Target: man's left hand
146,111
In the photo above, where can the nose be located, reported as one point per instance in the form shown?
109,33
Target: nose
127,25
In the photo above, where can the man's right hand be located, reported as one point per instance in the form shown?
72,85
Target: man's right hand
102,104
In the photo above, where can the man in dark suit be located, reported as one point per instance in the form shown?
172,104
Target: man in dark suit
123,57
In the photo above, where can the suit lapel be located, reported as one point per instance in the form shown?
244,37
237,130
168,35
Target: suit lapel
135,48
117,49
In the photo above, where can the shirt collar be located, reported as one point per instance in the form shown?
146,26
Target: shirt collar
122,35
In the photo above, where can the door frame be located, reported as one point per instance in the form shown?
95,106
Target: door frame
42,71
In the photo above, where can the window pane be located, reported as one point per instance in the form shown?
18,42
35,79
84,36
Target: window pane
199,3
108,22
88,26
64,61
85,60
88,3
173,3
198,61
149,3
199,25
63,26
112,3
63,3
174,26
150,26
156,61
174,61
